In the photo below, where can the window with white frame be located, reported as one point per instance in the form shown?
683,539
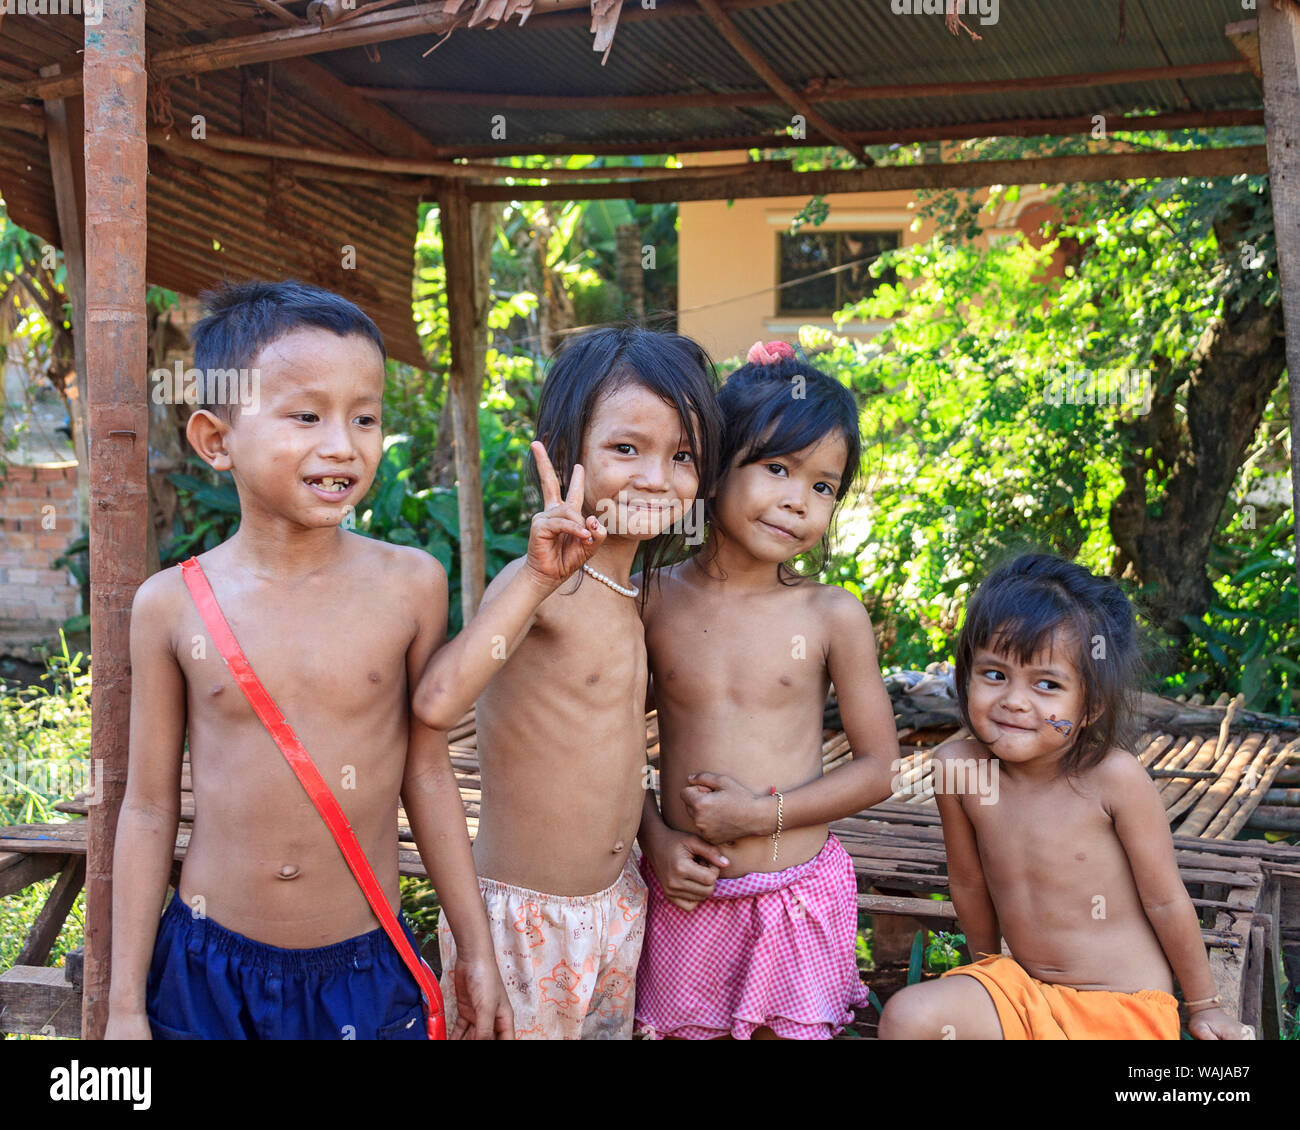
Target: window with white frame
821,272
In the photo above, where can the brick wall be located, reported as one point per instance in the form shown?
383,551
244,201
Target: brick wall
38,518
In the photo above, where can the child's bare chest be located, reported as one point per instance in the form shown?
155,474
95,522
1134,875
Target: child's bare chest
761,654
1050,836
343,661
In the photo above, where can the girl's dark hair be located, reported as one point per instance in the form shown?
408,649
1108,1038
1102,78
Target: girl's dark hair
773,410
1016,612
593,365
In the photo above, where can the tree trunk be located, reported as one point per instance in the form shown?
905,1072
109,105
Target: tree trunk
554,307
631,280
1164,541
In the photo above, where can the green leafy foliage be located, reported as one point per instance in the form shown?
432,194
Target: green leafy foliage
1247,642
44,759
45,740
975,447
944,951
914,960
401,511
207,511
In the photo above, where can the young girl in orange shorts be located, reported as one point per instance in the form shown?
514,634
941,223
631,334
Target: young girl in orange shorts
1071,860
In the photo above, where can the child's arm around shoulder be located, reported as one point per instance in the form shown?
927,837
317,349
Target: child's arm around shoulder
970,894
147,822
725,810
1143,829
432,801
560,541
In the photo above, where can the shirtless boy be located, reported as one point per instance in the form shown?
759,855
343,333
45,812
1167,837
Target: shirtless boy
268,935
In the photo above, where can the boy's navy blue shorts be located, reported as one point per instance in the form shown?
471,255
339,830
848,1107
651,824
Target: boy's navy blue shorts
209,983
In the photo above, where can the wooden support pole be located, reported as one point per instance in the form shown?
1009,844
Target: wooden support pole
1279,48
65,137
791,97
465,386
966,174
118,411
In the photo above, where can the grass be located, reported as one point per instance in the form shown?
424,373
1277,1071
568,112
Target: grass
44,759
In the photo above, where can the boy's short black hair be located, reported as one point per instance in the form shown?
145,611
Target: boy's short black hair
1016,612
778,409
244,318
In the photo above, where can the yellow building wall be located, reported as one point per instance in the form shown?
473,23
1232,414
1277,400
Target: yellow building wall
727,256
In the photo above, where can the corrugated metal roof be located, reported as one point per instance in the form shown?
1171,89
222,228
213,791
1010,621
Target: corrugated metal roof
269,221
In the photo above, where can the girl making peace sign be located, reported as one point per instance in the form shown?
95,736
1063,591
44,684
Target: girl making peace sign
629,425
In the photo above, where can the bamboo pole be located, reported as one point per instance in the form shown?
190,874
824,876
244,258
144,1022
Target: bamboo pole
1013,127
455,218
1224,162
116,331
1246,793
1279,48
1212,799
414,167
1178,798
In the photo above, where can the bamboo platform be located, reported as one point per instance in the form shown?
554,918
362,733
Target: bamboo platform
1216,767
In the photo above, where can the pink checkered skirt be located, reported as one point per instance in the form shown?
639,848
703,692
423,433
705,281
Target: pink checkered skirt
769,949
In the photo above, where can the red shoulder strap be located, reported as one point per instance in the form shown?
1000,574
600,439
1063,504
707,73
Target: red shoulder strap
314,784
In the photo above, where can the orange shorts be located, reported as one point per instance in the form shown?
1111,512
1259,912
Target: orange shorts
1029,1009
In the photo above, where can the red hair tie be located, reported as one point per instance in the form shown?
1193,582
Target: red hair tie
770,354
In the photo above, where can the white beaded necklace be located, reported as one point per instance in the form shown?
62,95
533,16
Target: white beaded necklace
604,580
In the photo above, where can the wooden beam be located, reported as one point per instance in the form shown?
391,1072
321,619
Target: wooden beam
65,137
404,166
1011,127
1279,49
967,174
18,871
288,43
266,166
464,386
116,324
49,922
35,1000
696,99
791,97
1244,36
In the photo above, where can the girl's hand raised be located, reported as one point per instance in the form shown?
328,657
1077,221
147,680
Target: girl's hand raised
561,540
